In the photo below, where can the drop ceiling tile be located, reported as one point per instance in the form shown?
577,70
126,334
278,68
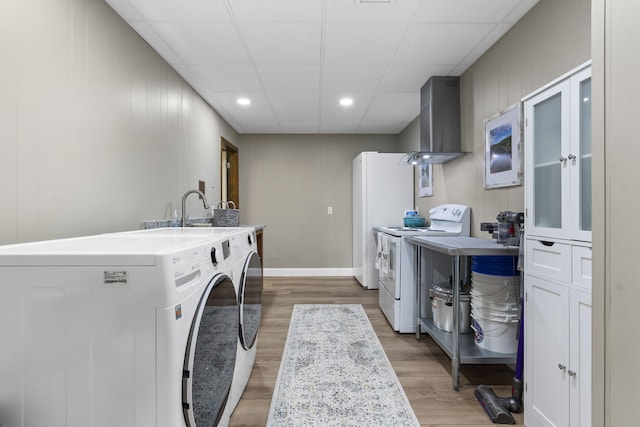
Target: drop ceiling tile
401,78
393,106
352,78
463,11
295,106
285,43
361,44
378,127
200,43
349,11
439,43
236,78
290,78
183,10
283,11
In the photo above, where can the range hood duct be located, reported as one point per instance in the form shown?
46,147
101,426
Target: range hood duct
440,139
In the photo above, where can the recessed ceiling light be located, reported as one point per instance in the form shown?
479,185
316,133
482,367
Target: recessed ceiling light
345,102
244,101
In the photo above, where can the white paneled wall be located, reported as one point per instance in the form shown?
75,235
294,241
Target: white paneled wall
97,132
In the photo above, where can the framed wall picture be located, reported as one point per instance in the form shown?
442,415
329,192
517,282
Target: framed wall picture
503,160
425,180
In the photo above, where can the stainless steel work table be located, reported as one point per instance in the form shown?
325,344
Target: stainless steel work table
460,348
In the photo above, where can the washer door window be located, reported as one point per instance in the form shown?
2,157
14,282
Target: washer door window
210,357
250,300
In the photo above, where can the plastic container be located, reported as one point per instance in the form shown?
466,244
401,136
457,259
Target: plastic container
176,219
499,290
414,221
493,279
495,265
495,332
495,308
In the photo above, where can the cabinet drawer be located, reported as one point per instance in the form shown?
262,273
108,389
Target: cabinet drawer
581,266
550,260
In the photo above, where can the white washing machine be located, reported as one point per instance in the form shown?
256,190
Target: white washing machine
245,270
123,329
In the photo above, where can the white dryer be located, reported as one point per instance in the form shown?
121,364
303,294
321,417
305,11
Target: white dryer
248,279
122,329
244,267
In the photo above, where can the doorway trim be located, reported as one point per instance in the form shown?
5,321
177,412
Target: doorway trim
229,174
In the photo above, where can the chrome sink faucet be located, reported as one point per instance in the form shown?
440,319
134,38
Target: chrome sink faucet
184,199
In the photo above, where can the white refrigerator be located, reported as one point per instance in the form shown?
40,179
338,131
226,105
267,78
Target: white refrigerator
382,192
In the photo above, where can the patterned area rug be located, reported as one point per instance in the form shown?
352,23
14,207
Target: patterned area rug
334,372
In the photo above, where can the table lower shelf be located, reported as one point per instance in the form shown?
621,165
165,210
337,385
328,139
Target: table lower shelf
470,352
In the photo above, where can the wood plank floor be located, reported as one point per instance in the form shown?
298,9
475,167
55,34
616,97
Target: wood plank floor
422,368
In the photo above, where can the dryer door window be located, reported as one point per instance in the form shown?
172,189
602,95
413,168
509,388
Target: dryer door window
211,354
250,300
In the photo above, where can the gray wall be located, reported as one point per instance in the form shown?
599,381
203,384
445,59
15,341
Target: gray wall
287,182
536,50
97,132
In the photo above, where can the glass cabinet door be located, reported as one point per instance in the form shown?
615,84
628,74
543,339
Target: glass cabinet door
547,134
547,137
582,172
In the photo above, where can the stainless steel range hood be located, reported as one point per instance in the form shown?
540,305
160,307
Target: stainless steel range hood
440,139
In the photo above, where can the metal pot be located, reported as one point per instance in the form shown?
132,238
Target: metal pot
442,307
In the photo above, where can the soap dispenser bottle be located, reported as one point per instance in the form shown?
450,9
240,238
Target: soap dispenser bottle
175,219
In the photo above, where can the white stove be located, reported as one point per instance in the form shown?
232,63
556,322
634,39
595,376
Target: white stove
445,220
395,261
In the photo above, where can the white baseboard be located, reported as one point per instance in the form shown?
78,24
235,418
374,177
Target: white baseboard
306,272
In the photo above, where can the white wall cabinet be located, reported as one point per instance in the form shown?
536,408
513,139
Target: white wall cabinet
558,252
558,159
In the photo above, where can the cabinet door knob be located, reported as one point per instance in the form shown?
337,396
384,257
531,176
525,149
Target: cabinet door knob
562,159
571,157
571,373
561,366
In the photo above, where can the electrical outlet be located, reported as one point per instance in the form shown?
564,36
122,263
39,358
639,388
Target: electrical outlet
330,210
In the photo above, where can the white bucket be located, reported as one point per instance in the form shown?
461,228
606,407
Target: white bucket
495,311
493,278
496,332
486,285
487,308
508,297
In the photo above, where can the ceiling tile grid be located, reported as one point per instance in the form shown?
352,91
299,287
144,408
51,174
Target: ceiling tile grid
295,59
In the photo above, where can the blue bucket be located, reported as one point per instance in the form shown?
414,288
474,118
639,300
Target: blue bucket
502,265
